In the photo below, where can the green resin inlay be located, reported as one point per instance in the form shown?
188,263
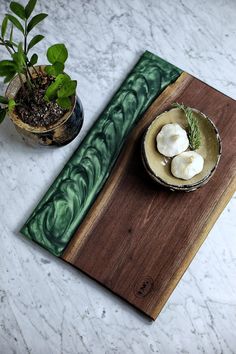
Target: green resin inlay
64,206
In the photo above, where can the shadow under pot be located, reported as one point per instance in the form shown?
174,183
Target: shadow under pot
61,132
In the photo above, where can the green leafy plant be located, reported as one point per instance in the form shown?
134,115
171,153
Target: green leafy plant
22,62
194,134
63,87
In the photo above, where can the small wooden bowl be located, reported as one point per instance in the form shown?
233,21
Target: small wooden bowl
158,166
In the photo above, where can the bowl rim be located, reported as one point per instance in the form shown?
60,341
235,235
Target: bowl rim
182,187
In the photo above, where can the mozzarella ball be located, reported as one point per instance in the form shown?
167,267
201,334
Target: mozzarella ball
172,140
187,164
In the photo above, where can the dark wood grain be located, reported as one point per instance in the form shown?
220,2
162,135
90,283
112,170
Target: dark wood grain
139,238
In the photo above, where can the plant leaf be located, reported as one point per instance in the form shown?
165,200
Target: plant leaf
4,26
51,91
2,114
30,8
68,89
19,58
55,69
18,9
34,41
11,34
35,20
33,60
57,53
64,102
11,104
16,23
6,64
9,77
7,69
3,100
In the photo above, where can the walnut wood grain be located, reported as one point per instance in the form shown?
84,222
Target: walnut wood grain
139,238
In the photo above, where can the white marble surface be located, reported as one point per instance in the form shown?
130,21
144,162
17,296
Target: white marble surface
47,306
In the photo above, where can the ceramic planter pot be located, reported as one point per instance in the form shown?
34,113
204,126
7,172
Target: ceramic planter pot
158,166
59,133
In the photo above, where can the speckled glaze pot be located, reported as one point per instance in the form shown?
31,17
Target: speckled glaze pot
60,133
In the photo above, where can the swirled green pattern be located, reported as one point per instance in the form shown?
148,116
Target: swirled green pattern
67,201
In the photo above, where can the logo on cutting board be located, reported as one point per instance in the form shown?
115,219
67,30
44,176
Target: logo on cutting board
143,286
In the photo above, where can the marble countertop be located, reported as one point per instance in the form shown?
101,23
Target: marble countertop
46,306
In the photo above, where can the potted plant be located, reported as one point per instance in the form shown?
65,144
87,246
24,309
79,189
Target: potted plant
40,99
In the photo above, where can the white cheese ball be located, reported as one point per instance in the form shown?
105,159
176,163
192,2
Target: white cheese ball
187,165
172,140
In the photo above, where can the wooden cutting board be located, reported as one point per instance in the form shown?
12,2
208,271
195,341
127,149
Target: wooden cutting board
139,238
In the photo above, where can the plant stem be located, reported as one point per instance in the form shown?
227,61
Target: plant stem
12,48
6,46
25,38
28,80
28,70
28,76
35,70
22,84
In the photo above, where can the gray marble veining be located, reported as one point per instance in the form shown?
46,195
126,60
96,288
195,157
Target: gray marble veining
46,306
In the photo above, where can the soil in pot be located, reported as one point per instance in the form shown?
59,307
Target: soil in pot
33,108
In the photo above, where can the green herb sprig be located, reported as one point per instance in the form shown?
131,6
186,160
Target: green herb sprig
193,130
